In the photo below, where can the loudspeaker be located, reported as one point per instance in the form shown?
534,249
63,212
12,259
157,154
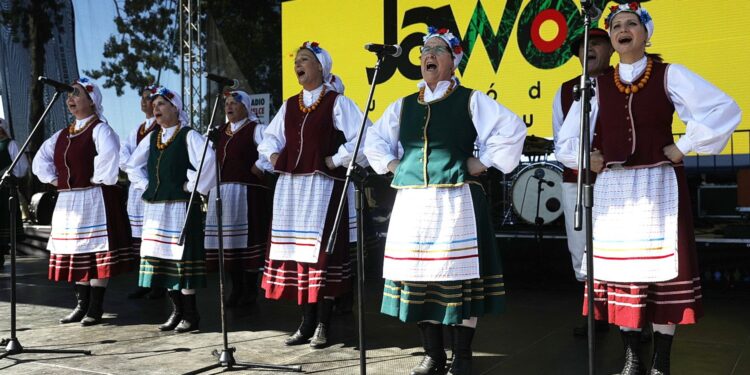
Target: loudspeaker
717,201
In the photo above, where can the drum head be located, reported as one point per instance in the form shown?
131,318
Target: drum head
41,207
537,193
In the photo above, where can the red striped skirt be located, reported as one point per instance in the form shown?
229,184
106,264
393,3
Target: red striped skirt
331,276
120,257
677,301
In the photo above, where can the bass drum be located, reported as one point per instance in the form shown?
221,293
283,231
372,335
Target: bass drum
536,193
41,207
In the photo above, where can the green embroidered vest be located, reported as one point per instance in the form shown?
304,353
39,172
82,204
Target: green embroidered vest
437,138
167,169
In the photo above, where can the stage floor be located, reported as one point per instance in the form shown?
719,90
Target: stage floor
533,337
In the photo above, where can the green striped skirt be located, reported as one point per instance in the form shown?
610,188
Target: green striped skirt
450,302
186,273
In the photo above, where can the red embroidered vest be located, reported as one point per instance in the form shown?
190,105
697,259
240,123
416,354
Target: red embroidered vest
310,138
74,158
237,154
143,133
632,130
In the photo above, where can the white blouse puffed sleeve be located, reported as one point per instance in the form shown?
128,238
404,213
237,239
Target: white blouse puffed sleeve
107,159
43,165
500,133
195,144
262,163
23,163
273,137
710,114
348,118
136,166
381,144
127,146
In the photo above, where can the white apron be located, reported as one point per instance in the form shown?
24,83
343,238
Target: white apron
300,207
635,225
162,224
79,222
432,236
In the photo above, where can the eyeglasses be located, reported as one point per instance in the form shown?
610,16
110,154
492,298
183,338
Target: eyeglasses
435,50
76,92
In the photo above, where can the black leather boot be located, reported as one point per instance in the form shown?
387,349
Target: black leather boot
432,341
320,337
174,319
237,288
96,307
633,363
461,363
190,317
250,287
307,327
662,349
83,293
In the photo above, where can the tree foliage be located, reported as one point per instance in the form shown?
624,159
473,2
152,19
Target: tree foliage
252,33
146,42
145,45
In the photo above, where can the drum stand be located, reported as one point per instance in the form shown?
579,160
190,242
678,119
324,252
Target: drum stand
224,358
12,345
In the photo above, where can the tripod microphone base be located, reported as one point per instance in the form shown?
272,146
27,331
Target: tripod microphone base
226,360
13,346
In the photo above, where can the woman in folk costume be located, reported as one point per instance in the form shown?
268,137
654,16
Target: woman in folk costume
644,245
89,240
165,167
309,142
135,200
246,200
442,266
8,152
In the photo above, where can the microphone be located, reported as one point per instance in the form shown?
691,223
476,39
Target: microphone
59,86
387,49
229,82
591,9
539,175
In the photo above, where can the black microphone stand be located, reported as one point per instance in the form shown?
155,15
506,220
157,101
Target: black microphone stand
585,193
12,345
225,358
358,174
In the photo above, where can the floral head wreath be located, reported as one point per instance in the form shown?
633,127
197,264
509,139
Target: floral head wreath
174,99
162,91
455,45
151,89
244,99
635,8
93,92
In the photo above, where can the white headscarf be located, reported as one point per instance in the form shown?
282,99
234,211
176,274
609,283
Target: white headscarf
636,9
176,101
453,43
6,127
336,84
244,98
94,93
331,80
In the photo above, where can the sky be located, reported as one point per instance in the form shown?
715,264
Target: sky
94,23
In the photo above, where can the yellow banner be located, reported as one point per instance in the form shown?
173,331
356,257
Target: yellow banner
515,50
